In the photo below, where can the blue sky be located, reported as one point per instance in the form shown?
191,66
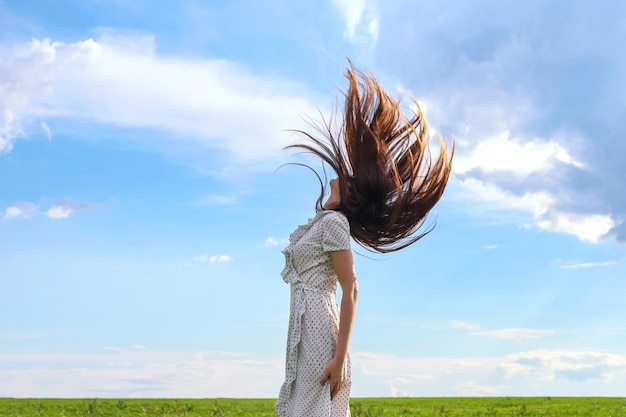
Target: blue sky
142,216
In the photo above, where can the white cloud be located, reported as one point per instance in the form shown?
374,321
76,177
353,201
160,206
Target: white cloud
489,200
22,209
122,81
394,387
59,212
588,227
220,258
361,20
12,212
483,168
570,365
201,258
501,153
9,128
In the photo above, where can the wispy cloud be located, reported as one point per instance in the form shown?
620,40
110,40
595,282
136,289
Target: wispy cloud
272,241
213,258
66,207
492,247
395,321
139,372
461,324
475,389
417,374
62,209
588,265
362,23
491,375
506,333
515,333
46,129
122,81
220,258
216,200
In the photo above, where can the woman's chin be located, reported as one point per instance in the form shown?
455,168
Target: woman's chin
331,205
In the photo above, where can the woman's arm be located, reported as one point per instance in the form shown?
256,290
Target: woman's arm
344,268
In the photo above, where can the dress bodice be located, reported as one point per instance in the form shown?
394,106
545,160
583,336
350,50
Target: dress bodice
307,257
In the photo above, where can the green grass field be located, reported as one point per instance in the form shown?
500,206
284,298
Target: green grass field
361,407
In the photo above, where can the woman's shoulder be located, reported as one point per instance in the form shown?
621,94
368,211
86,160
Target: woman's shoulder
334,231
333,218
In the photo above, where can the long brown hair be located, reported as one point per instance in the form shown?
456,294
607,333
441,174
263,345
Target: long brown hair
388,181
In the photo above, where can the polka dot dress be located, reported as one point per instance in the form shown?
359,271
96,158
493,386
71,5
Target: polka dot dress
314,319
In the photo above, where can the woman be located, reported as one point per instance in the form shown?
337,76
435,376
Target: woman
386,184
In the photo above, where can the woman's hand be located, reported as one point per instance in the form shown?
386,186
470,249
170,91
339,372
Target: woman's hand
333,372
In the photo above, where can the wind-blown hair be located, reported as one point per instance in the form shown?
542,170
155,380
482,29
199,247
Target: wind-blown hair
388,181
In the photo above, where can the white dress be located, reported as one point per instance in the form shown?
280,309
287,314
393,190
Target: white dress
314,319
